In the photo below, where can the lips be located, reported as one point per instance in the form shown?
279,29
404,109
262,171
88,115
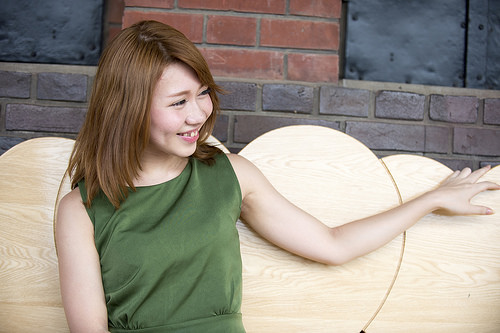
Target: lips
191,136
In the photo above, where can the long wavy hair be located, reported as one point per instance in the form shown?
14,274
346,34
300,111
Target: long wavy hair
116,129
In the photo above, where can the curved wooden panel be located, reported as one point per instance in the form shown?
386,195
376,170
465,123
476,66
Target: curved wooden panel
30,300
449,279
337,179
213,141
450,276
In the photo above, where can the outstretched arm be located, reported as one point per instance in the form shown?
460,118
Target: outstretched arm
287,226
79,268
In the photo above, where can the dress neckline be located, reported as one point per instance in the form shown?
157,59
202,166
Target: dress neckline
184,170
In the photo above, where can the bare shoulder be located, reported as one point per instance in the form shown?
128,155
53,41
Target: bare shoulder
240,164
71,205
72,199
250,177
242,167
72,218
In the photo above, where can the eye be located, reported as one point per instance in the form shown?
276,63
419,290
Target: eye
205,92
179,103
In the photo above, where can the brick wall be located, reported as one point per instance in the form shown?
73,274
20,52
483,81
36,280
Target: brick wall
42,100
112,22
279,61
261,39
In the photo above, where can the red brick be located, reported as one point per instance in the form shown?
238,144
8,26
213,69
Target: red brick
189,24
244,63
112,32
313,67
115,11
300,34
231,30
150,3
319,8
255,6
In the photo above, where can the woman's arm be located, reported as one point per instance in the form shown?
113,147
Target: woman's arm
287,226
79,268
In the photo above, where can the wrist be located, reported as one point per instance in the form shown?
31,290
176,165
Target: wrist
430,201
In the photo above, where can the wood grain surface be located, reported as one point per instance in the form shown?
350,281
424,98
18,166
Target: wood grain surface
450,275
441,275
31,172
337,179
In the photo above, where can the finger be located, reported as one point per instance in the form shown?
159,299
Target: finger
481,210
474,176
489,186
464,173
477,188
454,174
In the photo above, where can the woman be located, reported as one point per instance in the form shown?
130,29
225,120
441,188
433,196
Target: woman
147,238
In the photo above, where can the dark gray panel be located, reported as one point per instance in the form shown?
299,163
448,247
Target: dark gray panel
51,31
477,43
420,42
493,51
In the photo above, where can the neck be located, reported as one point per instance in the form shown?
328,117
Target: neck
159,169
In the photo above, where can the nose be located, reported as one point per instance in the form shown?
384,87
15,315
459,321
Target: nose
198,113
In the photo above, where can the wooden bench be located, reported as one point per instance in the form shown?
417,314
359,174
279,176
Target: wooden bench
442,275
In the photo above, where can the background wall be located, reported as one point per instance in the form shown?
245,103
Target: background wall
51,31
447,42
281,63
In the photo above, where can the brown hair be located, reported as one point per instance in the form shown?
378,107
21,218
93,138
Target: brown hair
108,148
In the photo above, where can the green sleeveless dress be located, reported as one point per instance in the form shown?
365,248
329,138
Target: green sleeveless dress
170,255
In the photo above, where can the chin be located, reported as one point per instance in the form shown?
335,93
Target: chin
186,152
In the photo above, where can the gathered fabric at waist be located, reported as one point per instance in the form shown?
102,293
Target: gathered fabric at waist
229,323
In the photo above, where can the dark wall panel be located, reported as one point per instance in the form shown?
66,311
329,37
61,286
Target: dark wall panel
406,41
51,31
446,42
483,44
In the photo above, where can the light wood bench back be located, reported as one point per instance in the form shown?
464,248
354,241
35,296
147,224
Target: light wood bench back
443,275
31,173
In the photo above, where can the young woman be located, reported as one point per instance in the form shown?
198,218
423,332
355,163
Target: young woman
147,238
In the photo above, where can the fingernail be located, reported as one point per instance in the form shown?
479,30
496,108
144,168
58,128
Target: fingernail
489,211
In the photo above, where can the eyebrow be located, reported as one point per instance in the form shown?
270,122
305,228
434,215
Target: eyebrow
184,92
177,94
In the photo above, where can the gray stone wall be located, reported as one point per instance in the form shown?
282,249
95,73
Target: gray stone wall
459,127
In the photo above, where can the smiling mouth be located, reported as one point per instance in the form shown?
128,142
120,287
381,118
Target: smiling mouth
191,134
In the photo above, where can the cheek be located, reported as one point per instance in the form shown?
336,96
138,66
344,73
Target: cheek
166,121
208,106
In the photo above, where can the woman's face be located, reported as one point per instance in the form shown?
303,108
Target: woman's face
179,107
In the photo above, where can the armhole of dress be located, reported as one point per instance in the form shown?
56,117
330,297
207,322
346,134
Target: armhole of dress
235,178
83,194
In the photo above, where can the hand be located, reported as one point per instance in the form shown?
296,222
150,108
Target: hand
454,194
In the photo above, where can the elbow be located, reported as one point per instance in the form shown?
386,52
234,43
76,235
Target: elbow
340,251
336,260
